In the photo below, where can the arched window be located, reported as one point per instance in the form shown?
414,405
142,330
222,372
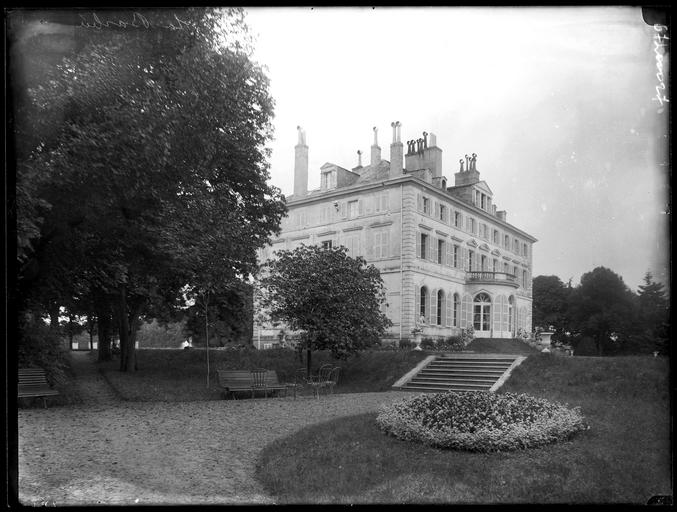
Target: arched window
482,312
424,308
457,310
440,308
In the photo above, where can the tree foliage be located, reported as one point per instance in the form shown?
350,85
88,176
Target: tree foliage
332,298
550,298
152,171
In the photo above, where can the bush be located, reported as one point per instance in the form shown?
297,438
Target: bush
479,421
428,344
406,344
42,347
452,344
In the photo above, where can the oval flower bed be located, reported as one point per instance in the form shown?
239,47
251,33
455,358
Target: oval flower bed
480,421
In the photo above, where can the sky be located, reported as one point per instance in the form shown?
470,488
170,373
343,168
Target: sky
560,105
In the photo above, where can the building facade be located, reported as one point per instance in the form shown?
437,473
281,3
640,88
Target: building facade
449,259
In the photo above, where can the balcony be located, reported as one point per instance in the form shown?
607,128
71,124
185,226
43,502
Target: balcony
483,277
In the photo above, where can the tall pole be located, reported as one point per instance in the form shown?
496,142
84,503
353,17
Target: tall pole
206,297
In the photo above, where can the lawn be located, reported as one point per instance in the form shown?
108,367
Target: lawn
623,458
180,375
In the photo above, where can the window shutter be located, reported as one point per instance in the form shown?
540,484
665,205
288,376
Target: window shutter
369,245
443,309
468,311
343,209
465,259
437,210
360,207
461,318
434,251
419,202
433,307
450,312
417,303
497,309
385,244
418,244
449,254
506,313
428,248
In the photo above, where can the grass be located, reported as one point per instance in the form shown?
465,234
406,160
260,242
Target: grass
623,458
180,375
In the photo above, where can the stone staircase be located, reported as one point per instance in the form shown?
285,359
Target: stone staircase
459,372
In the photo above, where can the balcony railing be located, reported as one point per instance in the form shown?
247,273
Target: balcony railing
492,277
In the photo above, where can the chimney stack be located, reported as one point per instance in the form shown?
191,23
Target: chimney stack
375,150
423,153
301,165
396,151
359,159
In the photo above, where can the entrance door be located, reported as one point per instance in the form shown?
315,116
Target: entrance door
482,315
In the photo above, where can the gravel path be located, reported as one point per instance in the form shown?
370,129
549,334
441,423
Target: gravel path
110,452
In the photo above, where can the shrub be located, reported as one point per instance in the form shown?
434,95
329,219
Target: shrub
452,344
428,344
406,344
42,347
479,421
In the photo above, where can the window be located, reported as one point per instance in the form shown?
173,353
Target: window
426,205
456,257
506,242
482,312
516,246
476,198
327,244
484,262
443,213
382,202
495,236
424,244
505,268
495,265
423,308
471,257
458,219
381,242
484,231
457,309
440,251
328,180
439,320
524,279
352,209
471,226
525,251
324,215
484,202
352,243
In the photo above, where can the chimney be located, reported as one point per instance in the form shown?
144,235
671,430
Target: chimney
359,159
396,151
375,149
301,165
501,215
468,173
423,153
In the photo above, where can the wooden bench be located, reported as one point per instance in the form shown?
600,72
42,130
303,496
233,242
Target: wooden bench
33,383
234,381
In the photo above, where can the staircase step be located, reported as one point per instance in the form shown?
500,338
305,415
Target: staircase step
461,371
438,389
468,367
428,380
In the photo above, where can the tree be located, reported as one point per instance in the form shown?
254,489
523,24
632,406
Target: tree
654,311
550,303
603,306
155,164
332,298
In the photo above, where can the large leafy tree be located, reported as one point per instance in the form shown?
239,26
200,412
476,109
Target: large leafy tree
550,302
331,298
603,308
154,170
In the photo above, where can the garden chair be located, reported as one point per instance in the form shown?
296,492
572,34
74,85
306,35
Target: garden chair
298,381
320,380
332,381
259,381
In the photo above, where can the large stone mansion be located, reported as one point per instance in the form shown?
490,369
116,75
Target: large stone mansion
449,259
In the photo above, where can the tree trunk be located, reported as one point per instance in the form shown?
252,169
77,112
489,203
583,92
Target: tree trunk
54,317
103,329
308,361
126,353
70,331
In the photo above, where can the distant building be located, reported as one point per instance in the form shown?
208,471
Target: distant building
448,258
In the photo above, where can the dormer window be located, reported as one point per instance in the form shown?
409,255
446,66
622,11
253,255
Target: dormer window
328,179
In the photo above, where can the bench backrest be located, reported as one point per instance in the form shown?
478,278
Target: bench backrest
33,377
231,378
